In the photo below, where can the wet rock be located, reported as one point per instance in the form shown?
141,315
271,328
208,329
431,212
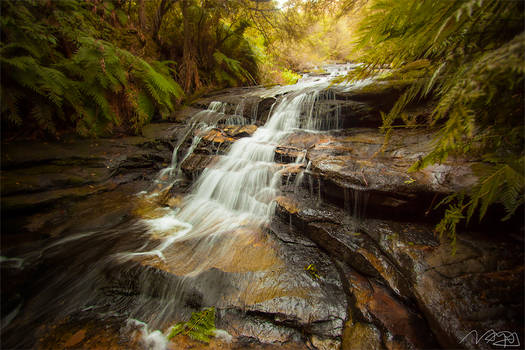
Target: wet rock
325,344
23,202
377,305
410,282
252,103
219,140
44,177
380,94
285,154
454,293
195,164
239,131
161,131
41,174
462,292
331,229
256,328
375,302
259,284
361,336
354,164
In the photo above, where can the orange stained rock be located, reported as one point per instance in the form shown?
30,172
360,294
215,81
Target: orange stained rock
375,299
245,250
290,205
75,338
235,130
217,136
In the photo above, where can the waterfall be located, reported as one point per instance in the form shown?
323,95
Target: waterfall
238,191
233,200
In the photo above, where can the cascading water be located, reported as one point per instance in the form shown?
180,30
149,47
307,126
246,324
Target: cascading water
212,245
239,190
234,198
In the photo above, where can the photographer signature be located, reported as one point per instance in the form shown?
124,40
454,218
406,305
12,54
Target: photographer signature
502,339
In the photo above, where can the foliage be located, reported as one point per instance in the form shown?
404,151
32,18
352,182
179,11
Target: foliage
503,183
60,75
312,270
309,33
470,58
218,36
201,326
290,77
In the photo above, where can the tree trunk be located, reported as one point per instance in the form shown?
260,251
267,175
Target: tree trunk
189,69
163,8
142,15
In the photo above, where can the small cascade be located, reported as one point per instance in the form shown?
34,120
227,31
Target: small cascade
238,116
255,111
300,175
234,198
355,202
325,114
198,126
239,190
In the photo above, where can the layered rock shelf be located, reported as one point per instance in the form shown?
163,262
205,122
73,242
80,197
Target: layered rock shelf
350,260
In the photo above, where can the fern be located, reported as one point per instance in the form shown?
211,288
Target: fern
468,59
201,326
232,68
84,87
145,105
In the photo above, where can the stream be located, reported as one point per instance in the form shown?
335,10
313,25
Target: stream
270,205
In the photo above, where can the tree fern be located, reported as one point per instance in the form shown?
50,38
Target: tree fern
233,68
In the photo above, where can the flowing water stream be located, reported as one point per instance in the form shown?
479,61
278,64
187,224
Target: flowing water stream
238,191
228,207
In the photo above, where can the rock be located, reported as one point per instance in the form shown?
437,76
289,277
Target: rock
325,344
258,283
219,140
285,154
75,338
161,131
32,201
239,131
195,164
255,328
351,164
462,292
251,103
39,175
332,229
361,336
422,279
376,304
45,177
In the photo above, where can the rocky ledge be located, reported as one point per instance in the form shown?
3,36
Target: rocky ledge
349,261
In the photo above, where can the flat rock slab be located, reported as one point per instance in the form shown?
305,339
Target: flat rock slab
263,286
356,162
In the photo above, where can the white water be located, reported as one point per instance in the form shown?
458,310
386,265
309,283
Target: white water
238,191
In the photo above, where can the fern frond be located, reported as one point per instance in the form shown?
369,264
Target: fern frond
201,326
